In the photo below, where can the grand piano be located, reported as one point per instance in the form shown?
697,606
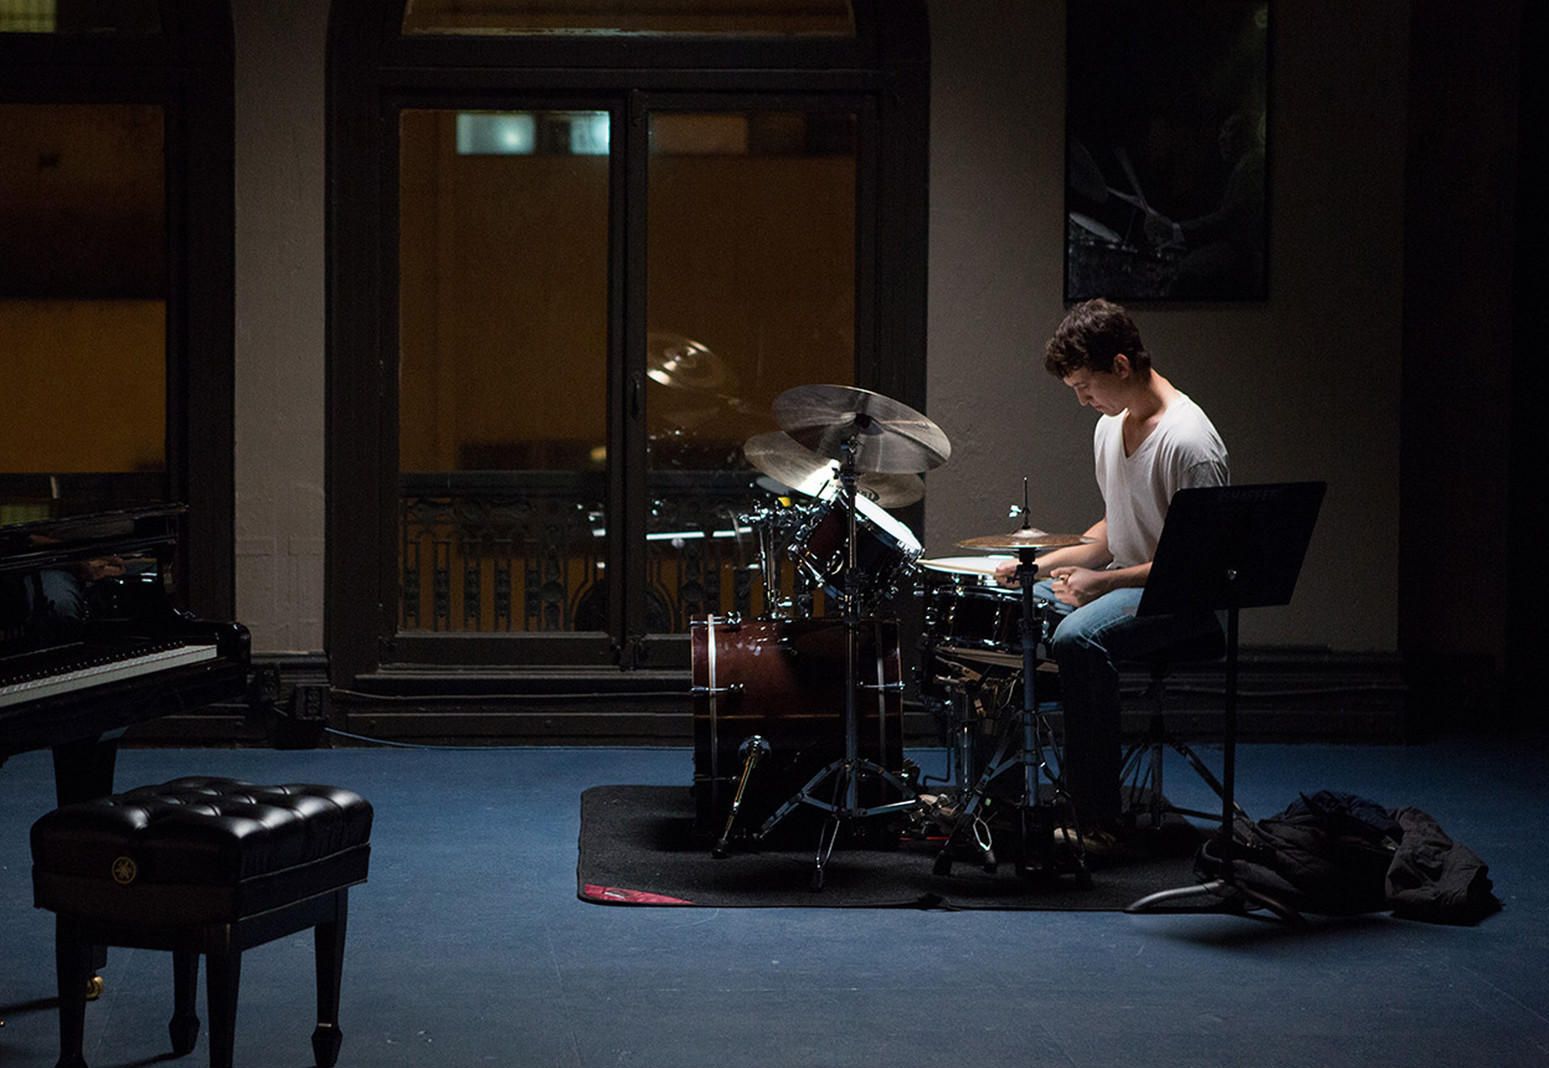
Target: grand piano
91,641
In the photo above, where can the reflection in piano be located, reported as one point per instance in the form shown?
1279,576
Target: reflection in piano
91,641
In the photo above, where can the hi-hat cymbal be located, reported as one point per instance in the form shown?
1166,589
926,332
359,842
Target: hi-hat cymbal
790,463
1025,538
683,363
889,436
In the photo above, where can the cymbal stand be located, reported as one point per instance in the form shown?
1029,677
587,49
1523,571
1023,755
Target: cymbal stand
762,519
844,806
1031,725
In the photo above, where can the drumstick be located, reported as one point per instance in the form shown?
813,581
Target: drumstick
1132,201
1129,172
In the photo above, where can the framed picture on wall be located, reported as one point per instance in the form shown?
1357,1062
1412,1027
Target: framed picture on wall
1166,128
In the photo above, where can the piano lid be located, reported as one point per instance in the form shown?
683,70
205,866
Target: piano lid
35,532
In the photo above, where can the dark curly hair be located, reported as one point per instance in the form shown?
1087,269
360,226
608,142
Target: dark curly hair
1090,336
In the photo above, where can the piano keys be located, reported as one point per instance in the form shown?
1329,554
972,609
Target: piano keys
91,640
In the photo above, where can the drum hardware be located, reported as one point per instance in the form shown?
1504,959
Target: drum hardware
772,525
864,431
714,691
970,669
753,749
962,713
1021,740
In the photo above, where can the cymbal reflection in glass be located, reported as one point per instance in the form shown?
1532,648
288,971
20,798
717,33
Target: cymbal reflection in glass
680,362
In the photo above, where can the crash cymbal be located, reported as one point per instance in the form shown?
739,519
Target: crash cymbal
790,463
889,491
890,437
1024,538
683,363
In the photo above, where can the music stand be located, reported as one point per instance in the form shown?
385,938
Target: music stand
1229,547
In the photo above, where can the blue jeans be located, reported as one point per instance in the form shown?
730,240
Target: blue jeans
1087,645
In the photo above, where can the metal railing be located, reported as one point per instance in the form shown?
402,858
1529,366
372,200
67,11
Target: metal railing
526,551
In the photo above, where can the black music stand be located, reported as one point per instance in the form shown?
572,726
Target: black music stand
1228,547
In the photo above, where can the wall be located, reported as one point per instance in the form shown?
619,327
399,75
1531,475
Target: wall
279,321
1463,398
1304,385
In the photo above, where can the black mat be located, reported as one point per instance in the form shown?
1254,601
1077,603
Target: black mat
637,847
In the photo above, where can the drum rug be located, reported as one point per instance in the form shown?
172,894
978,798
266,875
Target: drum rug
638,847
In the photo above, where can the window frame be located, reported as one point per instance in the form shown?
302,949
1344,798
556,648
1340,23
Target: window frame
187,70
373,73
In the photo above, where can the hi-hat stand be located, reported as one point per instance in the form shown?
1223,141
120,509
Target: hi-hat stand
1021,736
843,804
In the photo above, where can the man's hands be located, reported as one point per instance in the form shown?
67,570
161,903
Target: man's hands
1162,231
1077,586
1074,586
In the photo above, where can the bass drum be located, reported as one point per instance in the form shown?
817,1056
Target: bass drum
784,680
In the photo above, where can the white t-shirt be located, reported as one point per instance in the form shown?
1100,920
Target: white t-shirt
1183,450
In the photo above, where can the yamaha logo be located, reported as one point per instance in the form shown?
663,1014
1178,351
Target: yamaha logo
124,871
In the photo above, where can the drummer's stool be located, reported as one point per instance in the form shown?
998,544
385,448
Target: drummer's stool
200,865
1142,767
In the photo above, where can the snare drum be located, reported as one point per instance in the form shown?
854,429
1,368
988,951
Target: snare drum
966,611
885,549
785,680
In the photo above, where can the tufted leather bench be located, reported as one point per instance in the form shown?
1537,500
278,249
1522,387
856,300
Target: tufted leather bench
200,865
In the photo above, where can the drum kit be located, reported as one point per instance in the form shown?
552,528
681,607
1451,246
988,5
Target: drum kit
798,716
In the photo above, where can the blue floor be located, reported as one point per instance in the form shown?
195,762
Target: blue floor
469,947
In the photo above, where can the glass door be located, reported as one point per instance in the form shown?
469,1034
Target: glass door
503,411
751,266
594,318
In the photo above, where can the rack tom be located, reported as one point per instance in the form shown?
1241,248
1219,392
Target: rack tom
885,549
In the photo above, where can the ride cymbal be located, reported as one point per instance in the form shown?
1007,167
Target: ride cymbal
888,436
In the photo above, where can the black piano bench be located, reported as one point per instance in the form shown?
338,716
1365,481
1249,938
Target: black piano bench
200,865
